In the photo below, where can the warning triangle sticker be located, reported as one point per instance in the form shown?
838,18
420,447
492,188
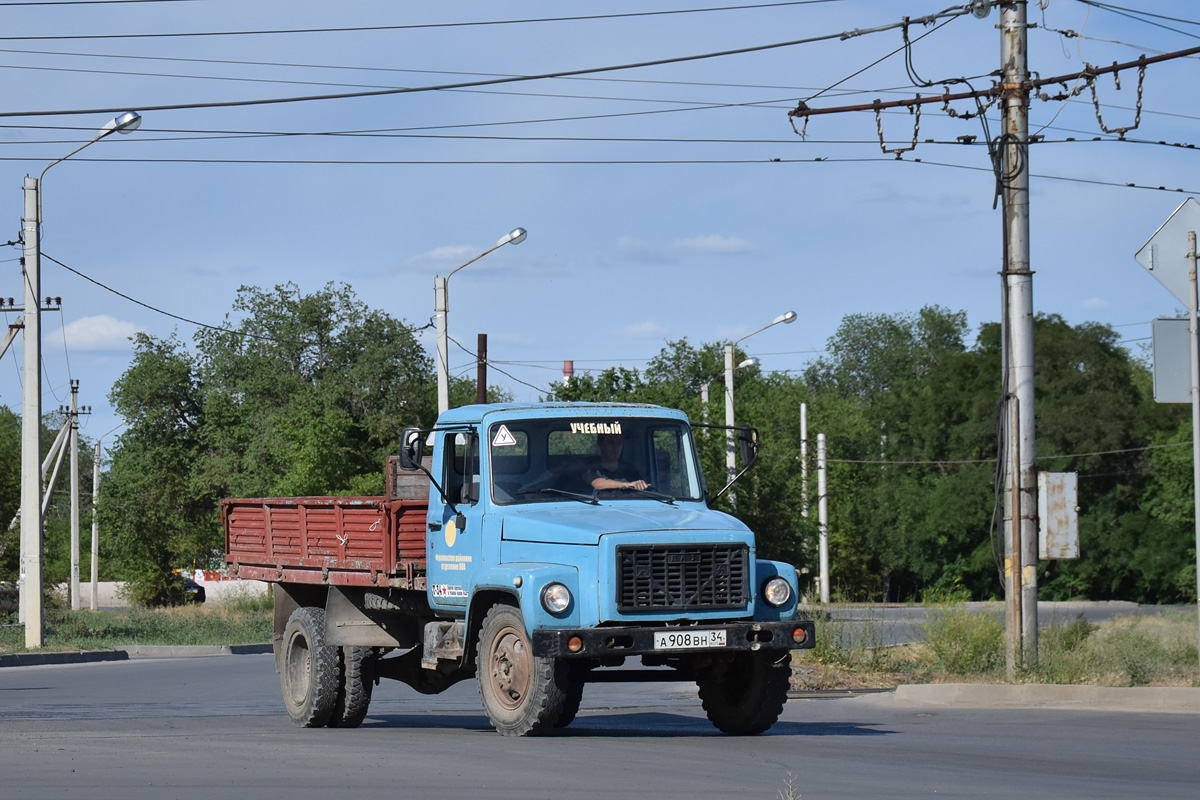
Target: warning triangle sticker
503,438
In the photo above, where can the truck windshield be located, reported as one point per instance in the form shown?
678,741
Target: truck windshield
544,460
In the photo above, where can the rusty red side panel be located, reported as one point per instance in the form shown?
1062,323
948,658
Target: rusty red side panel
340,540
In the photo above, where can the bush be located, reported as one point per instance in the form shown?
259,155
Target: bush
1127,655
247,599
958,642
1063,652
154,589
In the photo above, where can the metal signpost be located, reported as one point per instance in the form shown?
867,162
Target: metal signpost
1170,256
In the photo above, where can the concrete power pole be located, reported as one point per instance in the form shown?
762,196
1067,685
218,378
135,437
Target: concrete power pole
31,428
1020,564
95,604
74,495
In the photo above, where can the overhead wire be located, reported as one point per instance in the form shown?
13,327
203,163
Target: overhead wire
219,328
361,68
1140,16
609,162
952,11
410,26
491,364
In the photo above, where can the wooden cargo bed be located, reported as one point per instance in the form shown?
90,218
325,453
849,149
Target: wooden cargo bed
347,541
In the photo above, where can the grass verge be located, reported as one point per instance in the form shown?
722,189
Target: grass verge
101,630
956,644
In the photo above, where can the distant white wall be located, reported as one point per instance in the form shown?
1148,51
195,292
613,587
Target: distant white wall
108,592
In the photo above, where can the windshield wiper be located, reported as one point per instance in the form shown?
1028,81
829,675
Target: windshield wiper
583,498
666,498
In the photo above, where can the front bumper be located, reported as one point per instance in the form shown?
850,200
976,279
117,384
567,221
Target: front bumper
639,640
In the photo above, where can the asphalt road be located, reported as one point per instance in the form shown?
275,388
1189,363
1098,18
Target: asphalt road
214,727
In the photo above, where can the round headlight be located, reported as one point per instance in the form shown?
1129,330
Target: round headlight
777,591
556,598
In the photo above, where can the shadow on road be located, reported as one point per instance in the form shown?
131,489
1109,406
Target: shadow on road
641,725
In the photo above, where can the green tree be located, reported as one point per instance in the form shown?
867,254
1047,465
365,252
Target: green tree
10,491
302,394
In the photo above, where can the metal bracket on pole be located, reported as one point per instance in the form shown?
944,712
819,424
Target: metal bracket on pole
12,334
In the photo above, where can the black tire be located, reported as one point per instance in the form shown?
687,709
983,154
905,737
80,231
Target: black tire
523,695
574,697
747,697
310,669
354,686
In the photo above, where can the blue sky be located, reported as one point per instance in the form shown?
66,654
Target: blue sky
655,207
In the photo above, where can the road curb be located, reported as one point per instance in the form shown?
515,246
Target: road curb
1163,699
129,651
45,659
192,651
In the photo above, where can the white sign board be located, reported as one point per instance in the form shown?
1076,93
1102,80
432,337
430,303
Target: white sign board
1172,361
1165,254
1058,515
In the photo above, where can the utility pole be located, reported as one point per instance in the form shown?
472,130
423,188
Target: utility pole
1020,567
95,576
481,368
823,517
31,428
74,494
730,459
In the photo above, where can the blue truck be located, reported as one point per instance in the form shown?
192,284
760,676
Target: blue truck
536,548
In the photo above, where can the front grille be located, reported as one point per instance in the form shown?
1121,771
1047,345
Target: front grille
682,578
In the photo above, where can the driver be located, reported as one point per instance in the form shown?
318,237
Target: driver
608,471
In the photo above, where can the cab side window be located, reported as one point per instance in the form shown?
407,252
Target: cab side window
462,467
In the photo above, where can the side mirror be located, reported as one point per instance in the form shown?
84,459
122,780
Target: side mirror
412,448
748,445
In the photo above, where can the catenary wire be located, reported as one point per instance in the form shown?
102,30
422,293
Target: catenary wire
412,26
611,162
952,11
594,78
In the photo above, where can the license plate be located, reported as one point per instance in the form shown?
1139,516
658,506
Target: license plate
688,640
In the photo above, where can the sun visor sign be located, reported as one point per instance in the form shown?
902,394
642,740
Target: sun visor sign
596,427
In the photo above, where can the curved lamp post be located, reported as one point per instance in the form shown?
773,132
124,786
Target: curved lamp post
31,409
441,305
730,461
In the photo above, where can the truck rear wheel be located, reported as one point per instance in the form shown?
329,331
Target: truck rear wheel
523,695
310,669
747,697
354,686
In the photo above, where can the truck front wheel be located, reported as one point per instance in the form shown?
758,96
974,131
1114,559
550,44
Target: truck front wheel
747,695
310,669
523,695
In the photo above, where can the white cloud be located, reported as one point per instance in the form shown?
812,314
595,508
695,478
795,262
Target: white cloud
714,244
99,333
644,330
727,333
1094,303
445,254
638,250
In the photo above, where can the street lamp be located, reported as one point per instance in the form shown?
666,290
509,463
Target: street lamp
31,409
441,305
730,461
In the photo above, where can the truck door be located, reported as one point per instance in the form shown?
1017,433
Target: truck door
454,540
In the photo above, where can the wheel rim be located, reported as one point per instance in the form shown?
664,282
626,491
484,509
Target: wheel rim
510,668
299,667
